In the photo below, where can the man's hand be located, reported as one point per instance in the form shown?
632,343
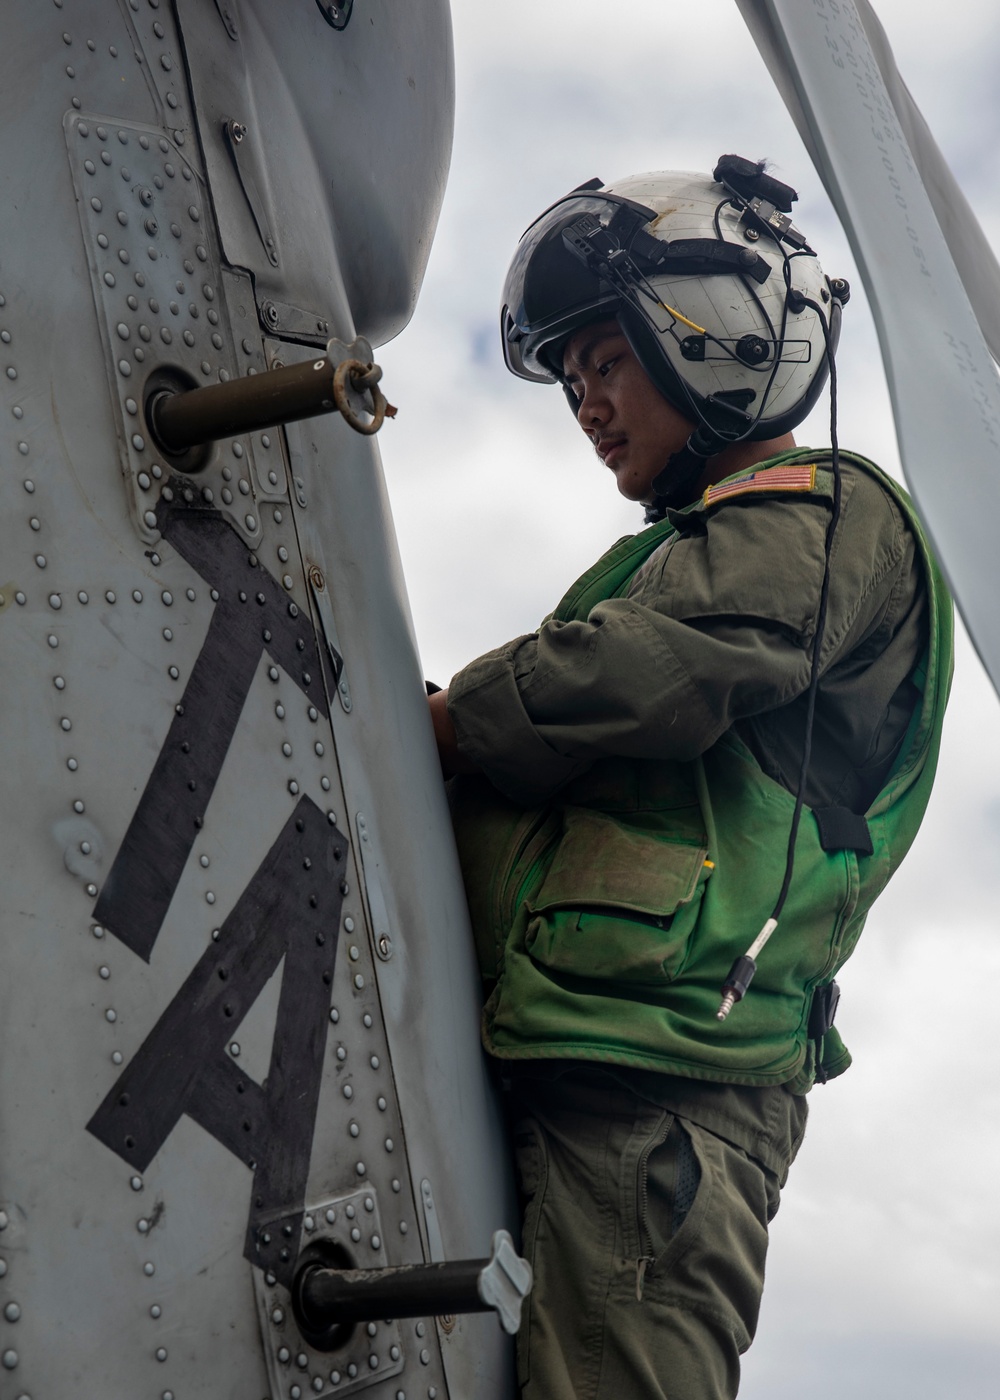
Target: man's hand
452,761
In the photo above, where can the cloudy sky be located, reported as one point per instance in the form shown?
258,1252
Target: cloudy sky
884,1277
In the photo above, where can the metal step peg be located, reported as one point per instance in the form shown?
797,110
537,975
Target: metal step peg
327,1301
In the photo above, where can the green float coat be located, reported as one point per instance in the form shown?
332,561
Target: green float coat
612,914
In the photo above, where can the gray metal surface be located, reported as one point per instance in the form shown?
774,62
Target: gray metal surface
117,1280
942,381
374,1352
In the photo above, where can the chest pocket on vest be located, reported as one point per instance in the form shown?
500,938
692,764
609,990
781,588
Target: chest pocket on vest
617,904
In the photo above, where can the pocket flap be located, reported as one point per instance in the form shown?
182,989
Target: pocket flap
601,861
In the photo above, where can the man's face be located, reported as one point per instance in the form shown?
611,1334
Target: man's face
632,426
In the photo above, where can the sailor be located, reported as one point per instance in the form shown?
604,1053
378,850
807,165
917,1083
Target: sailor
677,799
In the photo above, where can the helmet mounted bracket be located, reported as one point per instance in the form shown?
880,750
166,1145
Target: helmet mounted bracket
623,254
765,201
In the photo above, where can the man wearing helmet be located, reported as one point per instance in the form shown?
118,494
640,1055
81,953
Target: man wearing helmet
609,390
696,774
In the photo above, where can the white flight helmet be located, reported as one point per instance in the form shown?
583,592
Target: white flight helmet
722,300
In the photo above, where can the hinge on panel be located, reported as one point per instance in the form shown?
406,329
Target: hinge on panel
291,322
376,898
238,143
324,609
435,1245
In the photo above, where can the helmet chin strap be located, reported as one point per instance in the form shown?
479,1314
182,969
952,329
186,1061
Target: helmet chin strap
672,486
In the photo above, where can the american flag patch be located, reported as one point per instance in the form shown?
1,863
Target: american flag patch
799,477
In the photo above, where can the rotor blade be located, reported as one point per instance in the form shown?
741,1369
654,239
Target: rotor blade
973,256
943,384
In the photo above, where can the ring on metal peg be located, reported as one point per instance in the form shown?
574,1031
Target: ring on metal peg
363,379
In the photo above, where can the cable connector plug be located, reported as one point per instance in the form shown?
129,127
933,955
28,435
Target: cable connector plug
736,985
741,973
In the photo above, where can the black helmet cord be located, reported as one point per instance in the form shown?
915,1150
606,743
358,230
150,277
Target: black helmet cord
741,973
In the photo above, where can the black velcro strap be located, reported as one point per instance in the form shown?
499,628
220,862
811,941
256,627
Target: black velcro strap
700,257
840,829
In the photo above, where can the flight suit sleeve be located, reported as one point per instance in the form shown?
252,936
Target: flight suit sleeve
717,625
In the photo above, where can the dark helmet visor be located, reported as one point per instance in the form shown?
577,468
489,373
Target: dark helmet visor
549,293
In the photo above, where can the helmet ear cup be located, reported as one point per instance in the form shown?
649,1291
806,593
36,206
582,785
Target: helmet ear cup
807,403
648,346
